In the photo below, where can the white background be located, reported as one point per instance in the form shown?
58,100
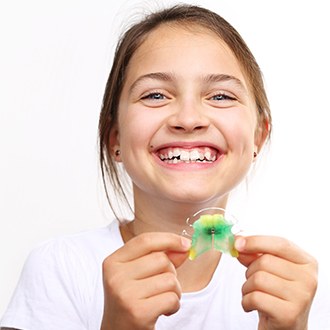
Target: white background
54,60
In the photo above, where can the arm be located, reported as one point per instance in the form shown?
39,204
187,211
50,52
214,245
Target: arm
281,282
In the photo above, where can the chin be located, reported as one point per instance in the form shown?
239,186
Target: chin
201,198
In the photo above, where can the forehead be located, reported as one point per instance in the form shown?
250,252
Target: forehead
187,49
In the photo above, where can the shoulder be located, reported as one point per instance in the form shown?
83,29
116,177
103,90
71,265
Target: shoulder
73,256
93,244
61,281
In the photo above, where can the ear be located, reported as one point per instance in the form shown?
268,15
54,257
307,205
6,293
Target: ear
261,135
114,145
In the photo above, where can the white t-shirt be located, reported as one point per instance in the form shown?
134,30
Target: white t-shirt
61,288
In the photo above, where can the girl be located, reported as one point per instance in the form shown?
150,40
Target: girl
185,114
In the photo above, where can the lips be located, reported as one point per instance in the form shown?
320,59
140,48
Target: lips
198,154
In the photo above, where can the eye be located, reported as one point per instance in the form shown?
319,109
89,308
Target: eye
222,97
154,96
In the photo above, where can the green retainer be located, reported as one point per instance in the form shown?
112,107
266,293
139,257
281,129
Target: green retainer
212,231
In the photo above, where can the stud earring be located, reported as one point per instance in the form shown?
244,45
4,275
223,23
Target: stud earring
255,154
117,152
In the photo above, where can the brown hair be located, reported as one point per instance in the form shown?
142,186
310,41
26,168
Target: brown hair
133,38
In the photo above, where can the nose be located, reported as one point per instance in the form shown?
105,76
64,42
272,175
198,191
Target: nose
188,118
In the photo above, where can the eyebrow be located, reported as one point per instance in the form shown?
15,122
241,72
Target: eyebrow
214,78
161,76
208,79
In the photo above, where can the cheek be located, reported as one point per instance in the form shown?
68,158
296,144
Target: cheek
239,131
136,129
242,139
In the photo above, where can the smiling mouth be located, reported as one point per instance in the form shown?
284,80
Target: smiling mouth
191,155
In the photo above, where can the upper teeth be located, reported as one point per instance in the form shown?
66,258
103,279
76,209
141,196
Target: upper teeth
177,154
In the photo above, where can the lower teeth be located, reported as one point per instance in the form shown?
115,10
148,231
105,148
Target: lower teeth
176,161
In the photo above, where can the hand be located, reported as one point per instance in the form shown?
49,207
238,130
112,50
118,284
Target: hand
281,281
140,282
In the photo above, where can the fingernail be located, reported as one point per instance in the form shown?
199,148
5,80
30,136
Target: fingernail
240,243
186,243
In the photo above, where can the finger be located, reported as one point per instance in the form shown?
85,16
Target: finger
166,303
263,302
149,265
273,265
270,284
177,258
247,259
158,284
151,242
145,312
276,246
277,312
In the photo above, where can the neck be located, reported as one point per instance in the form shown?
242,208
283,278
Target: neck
154,214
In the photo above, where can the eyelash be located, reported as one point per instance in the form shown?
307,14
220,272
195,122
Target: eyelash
224,97
158,96
152,95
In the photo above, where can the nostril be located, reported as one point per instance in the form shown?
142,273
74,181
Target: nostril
180,128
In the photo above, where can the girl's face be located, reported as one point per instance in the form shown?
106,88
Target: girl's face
187,121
